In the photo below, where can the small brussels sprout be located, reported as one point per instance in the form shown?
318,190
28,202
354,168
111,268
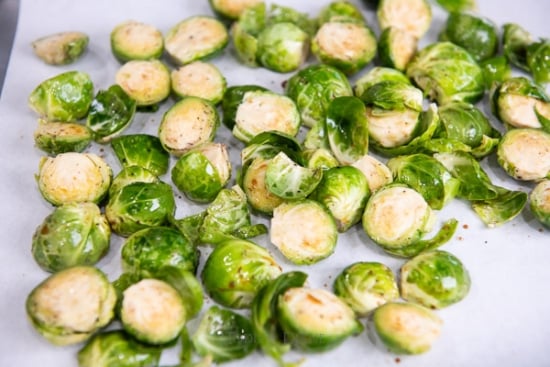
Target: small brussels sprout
195,38
146,251
71,305
458,5
447,72
130,175
73,234
140,205
304,231
515,41
396,47
365,286
61,48
540,202
476,34
189,123
377,173
202,171
232,9
434,279
199,79
74,177
538,61
339,10
236,270
315,320
347,45
495,70
344,191
224,335
111,112
64,97
152,311
61,137
406,328
111,348
525,154
133,40
282,47
141,150
254,186
145,81
413,16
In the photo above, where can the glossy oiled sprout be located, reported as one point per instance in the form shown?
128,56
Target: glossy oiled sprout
282,47
254,186
540,202
141,150
396,47
61,48
61,137
538,61
133,40
515,41
130,175
232,9
145,81
413,16
199,79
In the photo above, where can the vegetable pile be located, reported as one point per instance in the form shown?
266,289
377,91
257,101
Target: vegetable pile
371,132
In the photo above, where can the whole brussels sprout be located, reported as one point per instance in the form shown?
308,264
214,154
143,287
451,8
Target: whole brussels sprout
61,48
540,202
71,305
73,234
133,40
62,137
413,16
434,279
282,47
74,177
141,150
64,97
145,81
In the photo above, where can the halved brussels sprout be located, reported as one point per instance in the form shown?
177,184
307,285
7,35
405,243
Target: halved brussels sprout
304,231
406,328
232,9
447,72
254,186
74,177
133,40
61,137
540,202
396,47
145,81
199,79
315,320
236,270
413,16
377,75
64,97
61,48
515,41
73,234
525,154
195,38
339,10
365,286
282,47
476,34
434,279
344,191
202,171
108,349
495,70
141,150
245,33
377,173
233,98
152,311
189,123
320,158
111,112
130,175
538,61
71,305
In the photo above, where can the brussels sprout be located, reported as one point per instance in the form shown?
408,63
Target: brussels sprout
434,279
199,79
130,175
254,186
515,41
202,171
262,111
152,311
140,205
233,98
315,320
72,304
64,97
111,348
413,16
236,270
288,180
348,45
376,75
397,217
427,176
133,40
521,103
313,88
538,61
458,5
224,335
339,10
145,81
73,234
495,70
365,286
187,285
525,154
61,48
406,328
74,177
396,47
141,150
304,231
540,202
446,72
320,158
505,207
61,137
187,124
376,172
282,47
476,34
285,14
245,33
111,112
195,38
232,9
344,191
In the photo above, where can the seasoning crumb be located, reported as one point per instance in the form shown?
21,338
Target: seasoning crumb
465,226
541,230
284,83
397,360
460,238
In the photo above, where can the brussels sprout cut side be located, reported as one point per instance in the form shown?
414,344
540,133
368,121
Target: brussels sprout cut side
199,79
413,16
61,48
145,81
133,40
377,173
396,47
62,137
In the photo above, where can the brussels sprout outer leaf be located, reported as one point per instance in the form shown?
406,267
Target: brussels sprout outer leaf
515,41
505,207
250,231
141,150
288,180
538,60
